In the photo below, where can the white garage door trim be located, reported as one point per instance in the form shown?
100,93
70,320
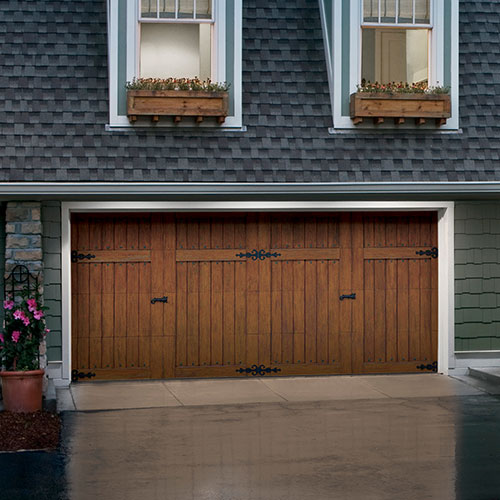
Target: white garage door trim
446,358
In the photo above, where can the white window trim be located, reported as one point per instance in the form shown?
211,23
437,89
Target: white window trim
121,122
436,68
446,288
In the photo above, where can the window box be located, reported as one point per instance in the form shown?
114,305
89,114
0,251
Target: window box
381,105
178,104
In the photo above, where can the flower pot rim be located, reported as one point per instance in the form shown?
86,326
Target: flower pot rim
20,373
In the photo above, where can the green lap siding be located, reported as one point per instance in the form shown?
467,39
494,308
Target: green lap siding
51,220
477,276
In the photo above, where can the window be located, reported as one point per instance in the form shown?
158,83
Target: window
395,41
174,38
413,41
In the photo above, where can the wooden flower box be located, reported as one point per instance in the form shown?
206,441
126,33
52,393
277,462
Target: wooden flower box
379,106
178,104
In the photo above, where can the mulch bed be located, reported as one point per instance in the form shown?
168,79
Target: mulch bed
29,431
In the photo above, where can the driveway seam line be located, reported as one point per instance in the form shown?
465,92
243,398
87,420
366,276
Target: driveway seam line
263,382
173,395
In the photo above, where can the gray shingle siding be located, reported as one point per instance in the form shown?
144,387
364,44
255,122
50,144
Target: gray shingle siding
54,84
51,242
477,276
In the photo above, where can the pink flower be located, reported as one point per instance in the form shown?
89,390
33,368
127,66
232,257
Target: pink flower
15,336
8,304
38,314
19,314
31,305
1,338
26,321
47,330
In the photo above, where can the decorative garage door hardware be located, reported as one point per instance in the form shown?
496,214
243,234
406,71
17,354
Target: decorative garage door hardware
433,252
75,256
260,370
352,296
429,367
76,375
257,255
159,299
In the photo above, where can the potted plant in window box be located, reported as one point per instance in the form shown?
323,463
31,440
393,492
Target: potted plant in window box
24,330
177,97
400,101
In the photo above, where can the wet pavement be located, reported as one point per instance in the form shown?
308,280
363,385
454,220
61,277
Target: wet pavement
420,448
400,444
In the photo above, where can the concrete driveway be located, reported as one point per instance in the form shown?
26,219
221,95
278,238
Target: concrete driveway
398,437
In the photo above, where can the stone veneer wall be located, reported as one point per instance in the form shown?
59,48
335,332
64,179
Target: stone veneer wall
51,241
23,243
477,276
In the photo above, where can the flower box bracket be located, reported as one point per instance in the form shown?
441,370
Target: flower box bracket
381,105
177,104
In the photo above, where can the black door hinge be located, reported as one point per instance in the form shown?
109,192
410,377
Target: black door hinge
76,375
432,253
76,256
430,367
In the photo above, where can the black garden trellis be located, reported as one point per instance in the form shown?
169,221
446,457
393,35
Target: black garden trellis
18,282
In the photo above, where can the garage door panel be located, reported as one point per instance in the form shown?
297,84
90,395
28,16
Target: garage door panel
398,309
254,288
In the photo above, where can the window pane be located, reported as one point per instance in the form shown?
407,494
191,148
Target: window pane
394,55
405,11
186,8
167,9
204,9
370,11
388,11
422,11
175,50
148,8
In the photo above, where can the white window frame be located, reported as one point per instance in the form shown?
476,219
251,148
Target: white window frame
117,121
436,56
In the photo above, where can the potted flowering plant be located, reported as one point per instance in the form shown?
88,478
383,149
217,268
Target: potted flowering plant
177,97
400,101
24,330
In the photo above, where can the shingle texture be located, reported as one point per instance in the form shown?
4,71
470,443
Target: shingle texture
54,107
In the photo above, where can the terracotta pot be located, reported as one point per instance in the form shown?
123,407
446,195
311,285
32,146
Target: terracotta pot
22,391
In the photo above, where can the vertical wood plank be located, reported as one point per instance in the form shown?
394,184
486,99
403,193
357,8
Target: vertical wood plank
205,292
181,315
95,315
403,306
335,355
369,303
380,307
264,242
322,311
252,298
193,311
217,297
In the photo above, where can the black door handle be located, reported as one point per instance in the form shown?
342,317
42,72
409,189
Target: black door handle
159,299
352,296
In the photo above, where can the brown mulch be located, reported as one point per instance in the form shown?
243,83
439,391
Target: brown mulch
29,431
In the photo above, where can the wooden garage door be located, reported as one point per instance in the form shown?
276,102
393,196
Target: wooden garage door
164,295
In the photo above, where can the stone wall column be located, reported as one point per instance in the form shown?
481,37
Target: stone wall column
23,244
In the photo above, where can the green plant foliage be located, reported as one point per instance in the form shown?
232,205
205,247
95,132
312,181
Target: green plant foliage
177,84
402,88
